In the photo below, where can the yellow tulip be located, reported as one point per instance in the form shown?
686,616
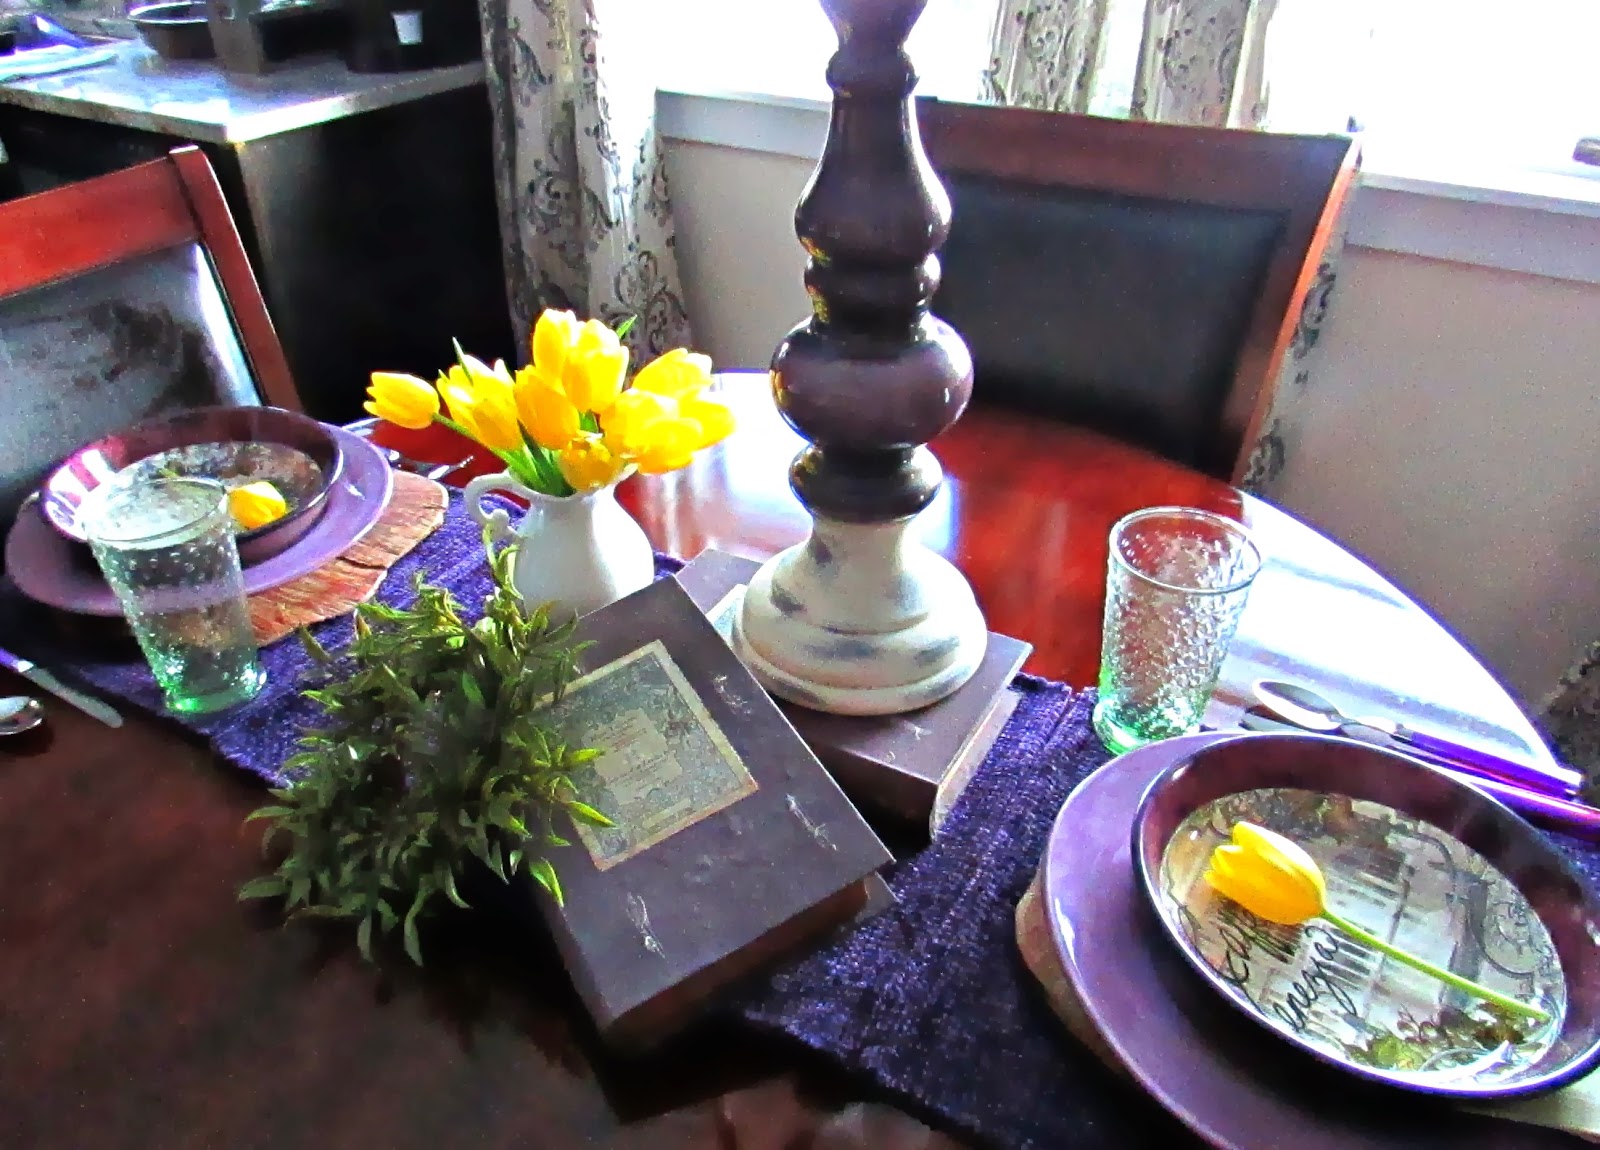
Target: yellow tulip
678,374
545,410
1275,879
478,372
1268,875
672,442
403,400
596,369
713,417
257,504
628,422
458,398
494,415
555,336
586,463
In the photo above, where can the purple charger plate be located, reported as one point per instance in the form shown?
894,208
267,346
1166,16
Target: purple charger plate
49,568
1557,894
1224,1077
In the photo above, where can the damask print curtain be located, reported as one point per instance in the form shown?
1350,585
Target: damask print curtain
582,189
1199,62
1047,54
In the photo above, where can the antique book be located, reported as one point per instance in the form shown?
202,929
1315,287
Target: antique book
731,842
891,763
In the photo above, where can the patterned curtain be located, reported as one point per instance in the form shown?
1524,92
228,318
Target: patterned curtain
1199,62
582,187
1046,53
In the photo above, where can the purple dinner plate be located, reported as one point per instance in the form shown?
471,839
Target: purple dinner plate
51,569
1222,1076
1433,865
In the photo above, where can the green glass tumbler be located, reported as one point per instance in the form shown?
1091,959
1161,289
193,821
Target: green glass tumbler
167,549
1176,583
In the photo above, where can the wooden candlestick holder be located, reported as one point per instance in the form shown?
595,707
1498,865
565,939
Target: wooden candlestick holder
862,619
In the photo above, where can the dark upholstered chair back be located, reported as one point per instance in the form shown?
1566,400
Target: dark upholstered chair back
121,298
1140,279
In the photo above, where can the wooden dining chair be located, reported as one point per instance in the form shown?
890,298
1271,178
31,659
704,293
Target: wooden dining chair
121,298
1141,279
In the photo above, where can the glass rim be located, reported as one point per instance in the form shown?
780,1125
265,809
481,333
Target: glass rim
91,511
1231,526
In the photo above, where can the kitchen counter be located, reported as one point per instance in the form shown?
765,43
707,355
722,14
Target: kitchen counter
198,100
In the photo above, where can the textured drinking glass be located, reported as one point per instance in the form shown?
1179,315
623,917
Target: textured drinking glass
167,549
1176,583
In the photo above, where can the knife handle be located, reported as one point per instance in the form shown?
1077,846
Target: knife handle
1552,779
1552,812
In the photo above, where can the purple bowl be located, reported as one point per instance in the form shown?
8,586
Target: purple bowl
234,445
1344,770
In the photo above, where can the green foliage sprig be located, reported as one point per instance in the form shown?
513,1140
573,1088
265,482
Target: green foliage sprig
435,752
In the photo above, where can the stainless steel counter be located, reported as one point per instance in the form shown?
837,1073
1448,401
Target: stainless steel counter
200,101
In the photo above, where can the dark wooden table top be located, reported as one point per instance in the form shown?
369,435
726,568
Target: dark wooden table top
142,1006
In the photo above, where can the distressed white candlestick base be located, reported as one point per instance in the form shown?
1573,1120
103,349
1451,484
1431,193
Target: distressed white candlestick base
860,620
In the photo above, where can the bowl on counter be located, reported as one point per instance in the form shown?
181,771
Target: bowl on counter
233,445
175,31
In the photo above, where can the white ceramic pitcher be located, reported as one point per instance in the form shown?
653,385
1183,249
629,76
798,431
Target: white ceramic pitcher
575,552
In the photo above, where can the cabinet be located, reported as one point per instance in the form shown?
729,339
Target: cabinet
374,234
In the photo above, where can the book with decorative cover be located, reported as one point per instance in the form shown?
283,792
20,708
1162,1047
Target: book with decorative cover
891,763
731,844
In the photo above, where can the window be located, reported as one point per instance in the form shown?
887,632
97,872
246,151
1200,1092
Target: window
1508,83
1494,82
781,47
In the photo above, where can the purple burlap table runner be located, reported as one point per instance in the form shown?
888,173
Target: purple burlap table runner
261,734
929,999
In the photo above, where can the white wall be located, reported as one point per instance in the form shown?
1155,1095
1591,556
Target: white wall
1451,437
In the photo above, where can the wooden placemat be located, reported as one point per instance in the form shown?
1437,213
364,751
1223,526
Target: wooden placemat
415,511
1575,1108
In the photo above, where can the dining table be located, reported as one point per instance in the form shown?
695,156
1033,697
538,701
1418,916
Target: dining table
143,1005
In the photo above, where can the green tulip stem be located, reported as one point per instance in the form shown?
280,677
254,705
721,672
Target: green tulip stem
1447,977
531,467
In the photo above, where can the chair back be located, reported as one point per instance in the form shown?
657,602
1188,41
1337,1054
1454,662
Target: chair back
1141,279
122,298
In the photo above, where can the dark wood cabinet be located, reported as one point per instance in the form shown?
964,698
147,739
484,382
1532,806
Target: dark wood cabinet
375,235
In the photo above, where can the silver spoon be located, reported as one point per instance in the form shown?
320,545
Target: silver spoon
1308,710
19,713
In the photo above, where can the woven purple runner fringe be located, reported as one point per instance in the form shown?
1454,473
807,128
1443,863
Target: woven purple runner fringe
929,999
261,734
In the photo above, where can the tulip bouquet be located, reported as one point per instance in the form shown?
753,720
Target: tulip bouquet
570,421
1274,878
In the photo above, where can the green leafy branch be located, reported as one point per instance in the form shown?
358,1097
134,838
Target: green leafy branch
434,753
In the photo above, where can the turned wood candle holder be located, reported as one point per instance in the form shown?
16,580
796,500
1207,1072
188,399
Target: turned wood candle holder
862,619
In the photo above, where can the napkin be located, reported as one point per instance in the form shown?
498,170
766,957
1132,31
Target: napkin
1574,1109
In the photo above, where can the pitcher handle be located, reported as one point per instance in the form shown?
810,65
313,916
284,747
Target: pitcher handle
496,520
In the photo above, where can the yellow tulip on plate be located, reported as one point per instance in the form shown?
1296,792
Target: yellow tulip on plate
256,504
1273,878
